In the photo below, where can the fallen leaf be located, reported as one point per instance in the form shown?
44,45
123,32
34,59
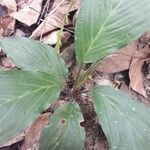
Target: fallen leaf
22,3
32,134
7,63
7,26
29,14
1,52
118,61
17,139
68,54
7,23
10,4
55,17
52,38
135,72
3,11
19,33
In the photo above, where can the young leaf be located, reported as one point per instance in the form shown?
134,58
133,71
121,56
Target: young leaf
31,55
23,95
64,132
103,26
125,121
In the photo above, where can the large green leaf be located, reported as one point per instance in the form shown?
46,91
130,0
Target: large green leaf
23,95
31,55
103,26
125,121
64,132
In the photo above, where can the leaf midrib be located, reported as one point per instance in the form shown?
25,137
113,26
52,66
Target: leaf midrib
133,129
16,100
103,25
26,94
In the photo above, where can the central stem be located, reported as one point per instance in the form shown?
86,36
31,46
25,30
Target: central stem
81,78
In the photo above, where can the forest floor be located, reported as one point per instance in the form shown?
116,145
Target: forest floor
44,20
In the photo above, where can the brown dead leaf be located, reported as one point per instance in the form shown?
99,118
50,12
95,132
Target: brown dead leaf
133,58
10,4
55,17
7,26
1,52
32,134
22,3
3,11
52,38
7,23
118,61
29,14
17,139
19,33
135,72
7,63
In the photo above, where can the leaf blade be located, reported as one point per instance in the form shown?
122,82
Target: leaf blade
23,96
32,55
124,120
64,131
105,26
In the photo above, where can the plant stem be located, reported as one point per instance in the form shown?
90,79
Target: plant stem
80,80
77,77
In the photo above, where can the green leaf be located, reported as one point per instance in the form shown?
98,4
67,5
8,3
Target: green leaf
103,26
64,132
23,95
125,121
31,55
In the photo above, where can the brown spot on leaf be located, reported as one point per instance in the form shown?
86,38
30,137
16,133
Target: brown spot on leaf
63,121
